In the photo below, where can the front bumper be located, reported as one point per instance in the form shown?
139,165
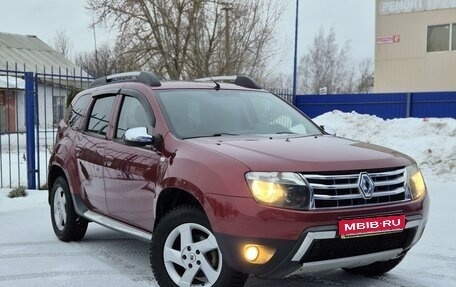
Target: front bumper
320,249
309,241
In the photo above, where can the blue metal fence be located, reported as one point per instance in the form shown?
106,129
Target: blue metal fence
437,105
387,106
11,153
32,103
52,88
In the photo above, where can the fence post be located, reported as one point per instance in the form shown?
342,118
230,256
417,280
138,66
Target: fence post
408,109
30,129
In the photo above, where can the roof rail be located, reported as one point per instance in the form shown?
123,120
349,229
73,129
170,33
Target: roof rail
147,78
242,81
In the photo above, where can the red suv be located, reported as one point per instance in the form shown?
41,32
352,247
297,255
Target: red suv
226,180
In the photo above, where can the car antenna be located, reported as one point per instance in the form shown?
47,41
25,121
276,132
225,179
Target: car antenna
217,85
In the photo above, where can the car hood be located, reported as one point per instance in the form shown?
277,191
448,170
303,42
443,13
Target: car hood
304,154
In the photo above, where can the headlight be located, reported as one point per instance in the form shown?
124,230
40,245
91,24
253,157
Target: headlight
415,182
280,189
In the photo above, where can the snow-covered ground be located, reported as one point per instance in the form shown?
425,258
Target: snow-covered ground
31,255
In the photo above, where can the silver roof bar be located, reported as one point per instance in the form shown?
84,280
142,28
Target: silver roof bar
147,78
242,81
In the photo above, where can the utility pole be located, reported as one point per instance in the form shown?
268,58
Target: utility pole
227,9
96,51
295,66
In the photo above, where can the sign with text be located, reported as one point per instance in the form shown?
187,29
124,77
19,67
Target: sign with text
391,39
388,7
371,225
323,91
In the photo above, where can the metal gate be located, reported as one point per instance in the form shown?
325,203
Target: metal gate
31,106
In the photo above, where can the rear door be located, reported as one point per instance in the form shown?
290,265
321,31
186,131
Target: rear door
90,149
130,172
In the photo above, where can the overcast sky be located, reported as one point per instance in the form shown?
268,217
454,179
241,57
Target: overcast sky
353,20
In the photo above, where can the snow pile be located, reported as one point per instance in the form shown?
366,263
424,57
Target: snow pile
430,141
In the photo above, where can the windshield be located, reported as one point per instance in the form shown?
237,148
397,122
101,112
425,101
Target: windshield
205,113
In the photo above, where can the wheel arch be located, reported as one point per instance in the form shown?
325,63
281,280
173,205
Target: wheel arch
54,172
173,197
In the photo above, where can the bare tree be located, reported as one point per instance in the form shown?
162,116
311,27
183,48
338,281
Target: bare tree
62,44
192,38
276,82
107,60
366,76
96,64
326,65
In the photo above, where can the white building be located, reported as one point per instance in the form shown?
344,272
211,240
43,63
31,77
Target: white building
54,79
415,45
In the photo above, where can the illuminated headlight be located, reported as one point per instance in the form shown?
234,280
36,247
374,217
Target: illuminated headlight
280,189
415,182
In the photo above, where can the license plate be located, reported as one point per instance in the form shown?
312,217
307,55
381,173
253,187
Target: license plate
371,225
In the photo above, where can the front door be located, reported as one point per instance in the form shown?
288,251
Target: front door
130,172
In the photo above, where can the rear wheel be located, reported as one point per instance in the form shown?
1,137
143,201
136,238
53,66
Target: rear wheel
68,226
185,252
376,268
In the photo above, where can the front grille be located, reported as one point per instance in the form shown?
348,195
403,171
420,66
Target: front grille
339,191
334,248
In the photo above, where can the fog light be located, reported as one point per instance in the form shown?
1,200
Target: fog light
251,253
258,254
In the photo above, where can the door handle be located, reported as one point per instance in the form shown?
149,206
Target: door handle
78,150
108,160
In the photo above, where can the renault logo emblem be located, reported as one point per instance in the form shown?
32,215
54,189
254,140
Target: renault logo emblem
366,185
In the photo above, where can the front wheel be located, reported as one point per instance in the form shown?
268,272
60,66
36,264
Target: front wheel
185,252
376,268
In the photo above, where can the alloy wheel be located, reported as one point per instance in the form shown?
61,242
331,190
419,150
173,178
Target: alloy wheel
192,256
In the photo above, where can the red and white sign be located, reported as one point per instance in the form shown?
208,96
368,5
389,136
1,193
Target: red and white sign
392,39
371,225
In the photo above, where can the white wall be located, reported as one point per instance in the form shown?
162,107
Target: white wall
46,97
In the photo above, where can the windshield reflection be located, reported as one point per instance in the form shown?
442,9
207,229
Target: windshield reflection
208,113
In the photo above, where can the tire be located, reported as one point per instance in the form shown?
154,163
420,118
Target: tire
68,226
199,262
376,268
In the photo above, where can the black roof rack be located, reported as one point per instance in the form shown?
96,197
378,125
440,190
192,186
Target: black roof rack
242,81
147,78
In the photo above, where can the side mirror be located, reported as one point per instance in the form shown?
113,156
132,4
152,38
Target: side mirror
139,137
328,130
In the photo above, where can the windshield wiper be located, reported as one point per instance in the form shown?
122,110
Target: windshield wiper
223,134
207,136
286,133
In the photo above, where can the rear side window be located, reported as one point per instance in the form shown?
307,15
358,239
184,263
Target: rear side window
76,111
99,117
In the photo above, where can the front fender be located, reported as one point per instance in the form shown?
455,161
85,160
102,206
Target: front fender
218,174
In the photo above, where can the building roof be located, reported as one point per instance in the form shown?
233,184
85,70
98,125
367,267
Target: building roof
36,55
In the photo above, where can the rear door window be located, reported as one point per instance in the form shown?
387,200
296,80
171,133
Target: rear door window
75,112
100,114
